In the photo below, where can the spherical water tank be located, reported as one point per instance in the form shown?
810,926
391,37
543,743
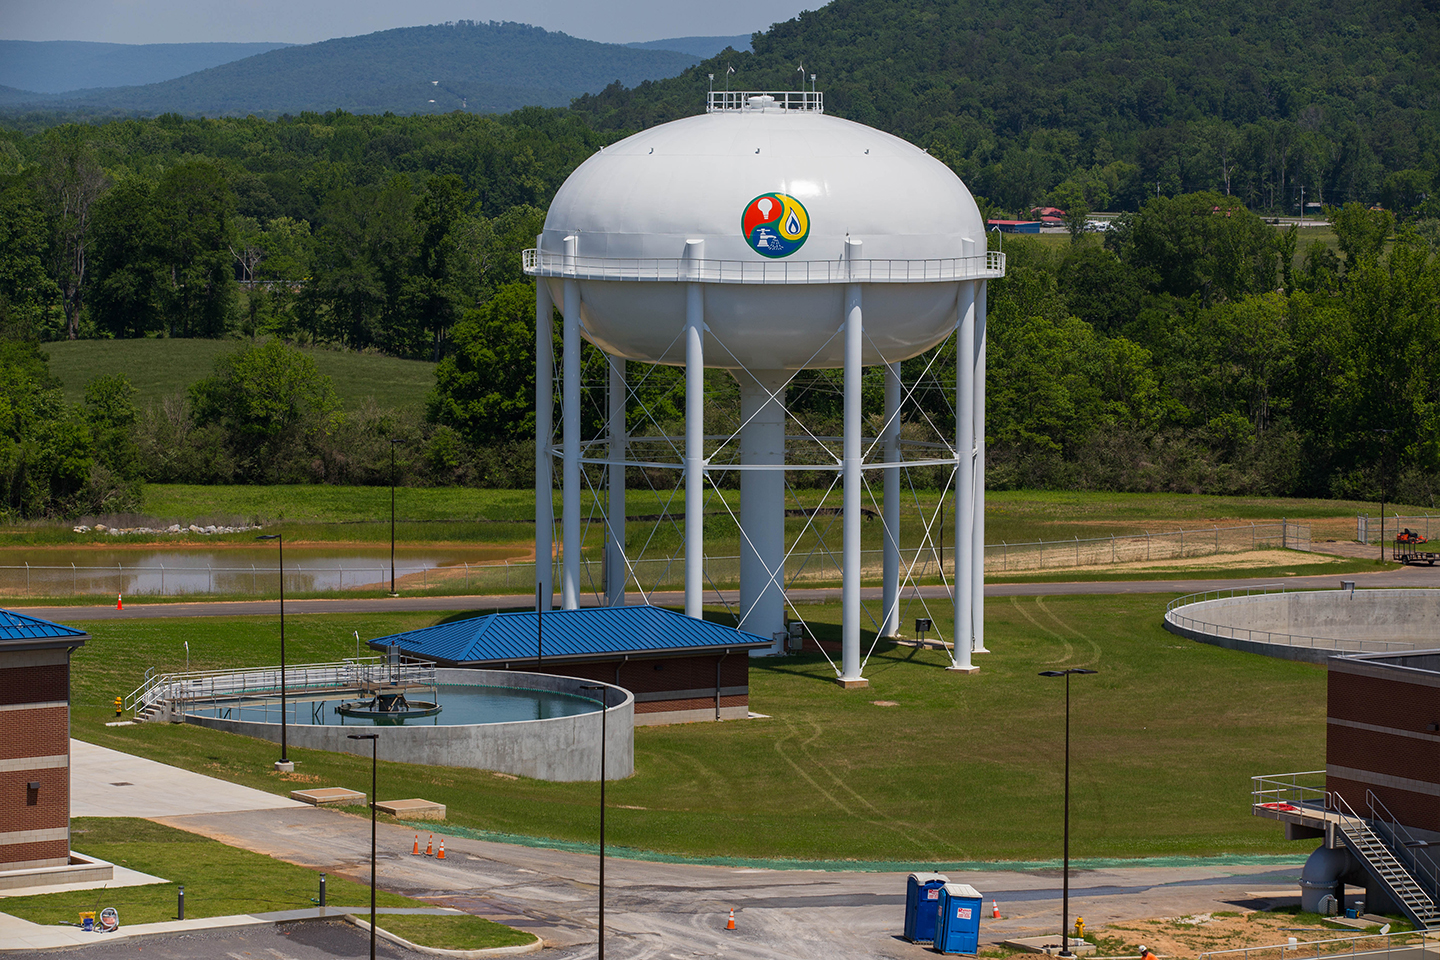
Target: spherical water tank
774,194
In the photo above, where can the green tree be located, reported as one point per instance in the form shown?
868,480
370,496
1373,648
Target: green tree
1360,232
26,289
485,389
45,446
273,406
193,208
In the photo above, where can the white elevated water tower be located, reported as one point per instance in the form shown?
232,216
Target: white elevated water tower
765,238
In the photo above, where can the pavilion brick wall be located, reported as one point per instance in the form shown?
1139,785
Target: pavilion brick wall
35,715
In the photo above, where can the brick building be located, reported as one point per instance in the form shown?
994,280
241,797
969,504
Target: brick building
1383,734
680,669
35,744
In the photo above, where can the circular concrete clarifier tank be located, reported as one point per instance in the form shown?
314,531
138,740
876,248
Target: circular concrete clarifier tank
526,724
1311,625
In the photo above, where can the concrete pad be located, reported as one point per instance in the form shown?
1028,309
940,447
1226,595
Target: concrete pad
107,783
414,809
1050,945
120,877
329,796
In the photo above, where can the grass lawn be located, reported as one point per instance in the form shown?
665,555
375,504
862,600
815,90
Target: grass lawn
158,368
453,933
960,768
219,880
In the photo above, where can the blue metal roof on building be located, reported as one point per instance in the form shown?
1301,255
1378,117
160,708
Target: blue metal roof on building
602,632
18,628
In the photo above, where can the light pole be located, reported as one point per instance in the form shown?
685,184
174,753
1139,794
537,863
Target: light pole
393,441
1065,895
283,764
374,739
604,692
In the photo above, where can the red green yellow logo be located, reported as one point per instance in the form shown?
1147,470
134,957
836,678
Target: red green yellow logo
775,224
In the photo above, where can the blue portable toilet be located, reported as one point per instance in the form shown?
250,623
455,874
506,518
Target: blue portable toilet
957,924
922,900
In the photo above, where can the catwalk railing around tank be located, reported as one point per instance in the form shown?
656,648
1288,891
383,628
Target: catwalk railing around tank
300,679
817,568
1175,615
545,263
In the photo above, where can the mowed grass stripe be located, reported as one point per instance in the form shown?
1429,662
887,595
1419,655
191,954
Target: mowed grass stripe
161,367
1165,739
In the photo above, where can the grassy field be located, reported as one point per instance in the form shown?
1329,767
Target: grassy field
219,880
225,881
959,768
158,368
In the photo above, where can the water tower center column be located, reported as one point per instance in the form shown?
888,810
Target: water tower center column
762,504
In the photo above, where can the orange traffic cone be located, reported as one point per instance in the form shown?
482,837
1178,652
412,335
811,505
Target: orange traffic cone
731,924
441,854
119,602
416,851
994,910
430,846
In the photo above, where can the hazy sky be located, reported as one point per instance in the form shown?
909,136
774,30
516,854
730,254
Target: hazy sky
307,21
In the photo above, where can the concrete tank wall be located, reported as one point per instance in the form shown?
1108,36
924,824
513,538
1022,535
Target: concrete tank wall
557,749
1313,625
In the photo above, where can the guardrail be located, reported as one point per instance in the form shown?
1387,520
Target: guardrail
1228,631
547,263
251,683
1407,940
1279,789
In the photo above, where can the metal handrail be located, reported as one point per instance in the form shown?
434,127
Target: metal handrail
1268,636
249,682
548,263
1287,950
1278,788
1403,844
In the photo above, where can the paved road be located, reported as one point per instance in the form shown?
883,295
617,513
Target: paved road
1397,577
653,910
658,910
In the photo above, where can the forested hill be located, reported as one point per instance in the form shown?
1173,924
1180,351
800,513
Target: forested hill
479,66
1017,94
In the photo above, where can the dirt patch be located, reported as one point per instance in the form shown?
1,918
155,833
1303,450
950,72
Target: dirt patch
1218,561
1224,930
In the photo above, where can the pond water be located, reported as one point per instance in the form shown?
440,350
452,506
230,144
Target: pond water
171,571
460,704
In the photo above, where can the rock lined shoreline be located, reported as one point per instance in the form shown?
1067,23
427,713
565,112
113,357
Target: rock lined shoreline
207,530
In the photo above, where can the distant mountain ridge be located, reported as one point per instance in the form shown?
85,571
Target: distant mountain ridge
698,46
59,66
468,65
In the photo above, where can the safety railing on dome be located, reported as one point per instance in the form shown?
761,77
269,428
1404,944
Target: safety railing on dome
803,101
300,679
1229,631
546,263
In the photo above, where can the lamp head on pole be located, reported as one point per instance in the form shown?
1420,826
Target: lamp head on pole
1065,673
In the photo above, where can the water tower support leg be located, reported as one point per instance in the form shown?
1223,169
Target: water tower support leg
762,504
544,437
850,591
977,593
570,489
964,479
890,612
616,570
694,449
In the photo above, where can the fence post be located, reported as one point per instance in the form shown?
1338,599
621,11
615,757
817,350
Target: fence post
467,574
27,578
1005,563
254,588
1077,549
1182,544
162,579
1112,548
1217,539
209,579
1147,546
74,581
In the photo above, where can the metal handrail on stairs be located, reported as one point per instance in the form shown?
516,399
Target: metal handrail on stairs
1378,857
1406,848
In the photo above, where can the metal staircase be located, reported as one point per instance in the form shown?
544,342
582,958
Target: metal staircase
1380,844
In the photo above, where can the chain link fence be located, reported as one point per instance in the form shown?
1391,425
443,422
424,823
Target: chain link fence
814,568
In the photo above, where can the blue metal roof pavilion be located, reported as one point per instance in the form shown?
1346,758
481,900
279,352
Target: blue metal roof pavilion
19,632
595,633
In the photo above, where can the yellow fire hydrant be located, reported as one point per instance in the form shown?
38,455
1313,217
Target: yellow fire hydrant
1079,928
118,702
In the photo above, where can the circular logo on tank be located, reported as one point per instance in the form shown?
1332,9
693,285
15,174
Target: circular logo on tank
775,224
